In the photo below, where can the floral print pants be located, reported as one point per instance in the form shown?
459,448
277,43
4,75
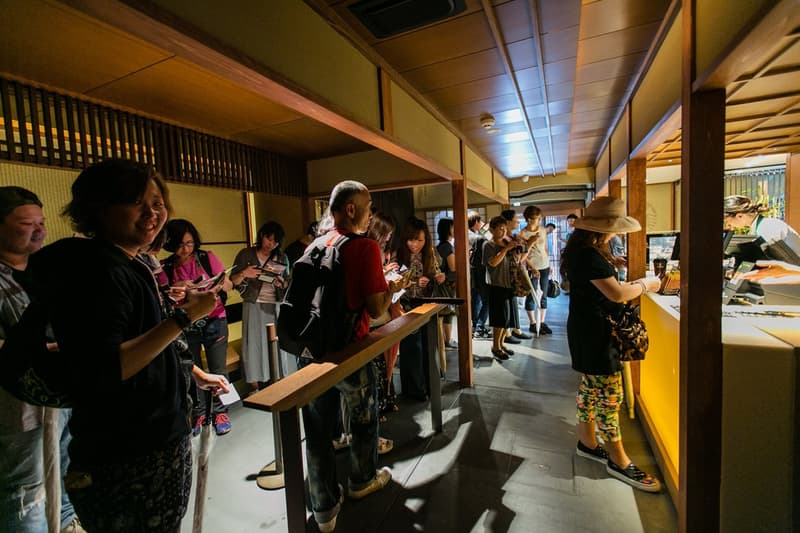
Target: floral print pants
599,399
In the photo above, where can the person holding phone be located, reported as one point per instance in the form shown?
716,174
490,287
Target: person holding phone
130,456
190,267
261,275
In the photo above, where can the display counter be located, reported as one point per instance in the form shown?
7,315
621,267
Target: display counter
760,399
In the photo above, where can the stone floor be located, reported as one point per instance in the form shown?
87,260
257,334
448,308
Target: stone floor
504,462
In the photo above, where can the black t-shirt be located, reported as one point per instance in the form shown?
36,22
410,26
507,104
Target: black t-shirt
588,331
445,250
97,298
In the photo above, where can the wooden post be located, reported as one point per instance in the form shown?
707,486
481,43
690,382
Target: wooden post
430,343
615,188
293,470
702,168
792,214
464,319
637,242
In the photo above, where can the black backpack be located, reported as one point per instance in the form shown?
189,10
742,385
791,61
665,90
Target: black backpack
205,262
476,266
313,319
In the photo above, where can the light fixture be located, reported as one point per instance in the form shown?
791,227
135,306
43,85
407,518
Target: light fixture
525,178
487,123
516,204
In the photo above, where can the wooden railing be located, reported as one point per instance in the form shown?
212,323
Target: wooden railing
286,397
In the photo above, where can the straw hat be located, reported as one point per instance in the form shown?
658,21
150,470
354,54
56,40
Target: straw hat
607,215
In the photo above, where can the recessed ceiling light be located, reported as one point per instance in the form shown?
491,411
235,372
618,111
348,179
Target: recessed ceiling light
669,161
516,204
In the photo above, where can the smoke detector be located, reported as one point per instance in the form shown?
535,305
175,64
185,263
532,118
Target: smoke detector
487,123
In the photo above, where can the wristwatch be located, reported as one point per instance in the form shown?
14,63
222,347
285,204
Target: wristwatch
181,317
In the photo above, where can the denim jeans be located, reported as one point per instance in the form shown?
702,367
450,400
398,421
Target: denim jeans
67,511
22,490
213,336
320,420
22,494
480,307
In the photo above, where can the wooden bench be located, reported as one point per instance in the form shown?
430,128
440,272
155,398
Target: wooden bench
286,397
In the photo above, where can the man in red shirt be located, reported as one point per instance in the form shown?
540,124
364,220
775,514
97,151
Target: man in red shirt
368,293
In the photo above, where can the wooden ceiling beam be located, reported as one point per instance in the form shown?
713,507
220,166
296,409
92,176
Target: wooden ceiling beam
539,55
765,71
491,18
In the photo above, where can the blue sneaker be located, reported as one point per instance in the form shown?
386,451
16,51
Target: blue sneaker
222,424
198,425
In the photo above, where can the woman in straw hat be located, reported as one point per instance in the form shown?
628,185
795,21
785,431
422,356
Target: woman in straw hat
594,293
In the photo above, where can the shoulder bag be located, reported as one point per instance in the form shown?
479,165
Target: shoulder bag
629,334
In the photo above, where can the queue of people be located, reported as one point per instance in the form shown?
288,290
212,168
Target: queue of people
132,329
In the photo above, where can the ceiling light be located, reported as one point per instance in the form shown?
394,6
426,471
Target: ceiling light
516,204
487,123
492,131
525,178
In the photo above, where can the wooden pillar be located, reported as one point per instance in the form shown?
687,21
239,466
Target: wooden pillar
702,168
460,234
615,188
793,191
637,208
636,170
385,88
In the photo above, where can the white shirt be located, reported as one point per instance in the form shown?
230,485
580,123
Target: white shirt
538,251
773,229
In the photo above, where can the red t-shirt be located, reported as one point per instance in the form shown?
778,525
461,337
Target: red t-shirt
363,276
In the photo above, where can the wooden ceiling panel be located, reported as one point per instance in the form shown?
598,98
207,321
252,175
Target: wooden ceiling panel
303,138
560,45
559,15
561,120
618,43
471,91
598,18
514,18
453,38
623,66
768,85
594,104
560,91
521,54
180,90
600,88
606,113
51,44
766,108
489,105
456,71
560,72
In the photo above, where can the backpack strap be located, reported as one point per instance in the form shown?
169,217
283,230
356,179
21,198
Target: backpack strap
169,268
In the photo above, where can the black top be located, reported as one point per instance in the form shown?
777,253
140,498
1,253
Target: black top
294,251
445,250
588,331
97,298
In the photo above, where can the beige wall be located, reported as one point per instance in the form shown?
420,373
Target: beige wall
373,167
289,37
661,204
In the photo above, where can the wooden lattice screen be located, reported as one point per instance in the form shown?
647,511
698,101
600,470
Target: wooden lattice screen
46,128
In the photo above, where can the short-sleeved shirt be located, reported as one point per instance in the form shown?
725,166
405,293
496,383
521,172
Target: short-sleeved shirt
445,250
15,415
110,299
588,332
537,253
773,229
363,276
499,275
192,270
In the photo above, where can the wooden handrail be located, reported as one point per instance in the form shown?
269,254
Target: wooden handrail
299,388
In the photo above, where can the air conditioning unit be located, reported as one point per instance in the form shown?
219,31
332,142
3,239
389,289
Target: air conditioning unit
385,18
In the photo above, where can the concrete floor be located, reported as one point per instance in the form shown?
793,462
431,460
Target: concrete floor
504,462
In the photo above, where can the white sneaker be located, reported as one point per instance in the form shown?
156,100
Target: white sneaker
381,479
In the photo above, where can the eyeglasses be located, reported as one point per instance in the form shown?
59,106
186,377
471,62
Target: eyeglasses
187,244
